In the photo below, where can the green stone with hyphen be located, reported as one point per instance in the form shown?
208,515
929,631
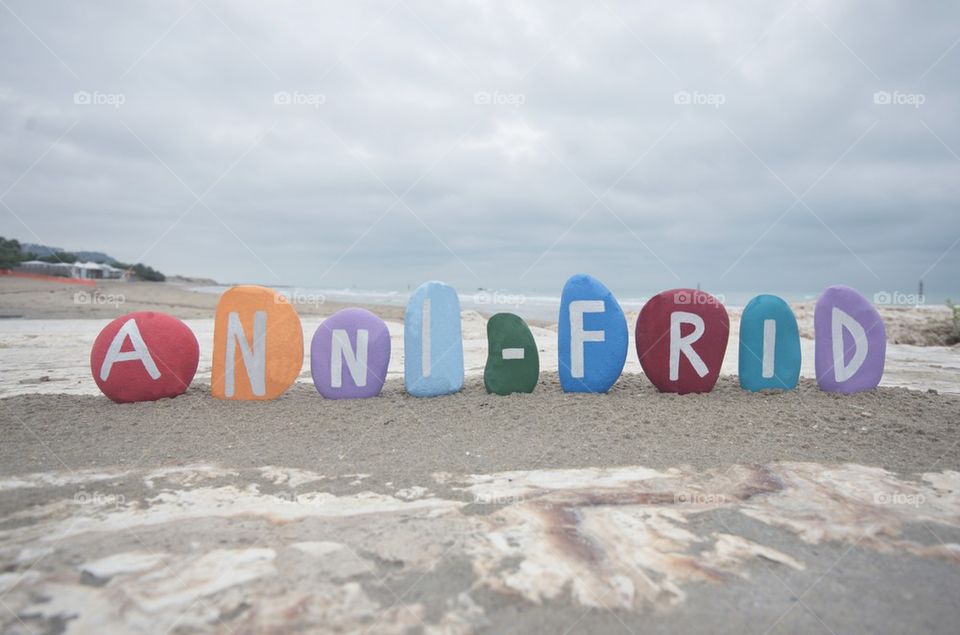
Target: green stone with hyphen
513,361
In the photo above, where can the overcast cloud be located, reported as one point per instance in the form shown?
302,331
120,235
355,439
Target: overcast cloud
502,145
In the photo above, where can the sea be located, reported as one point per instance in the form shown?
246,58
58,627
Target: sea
542,305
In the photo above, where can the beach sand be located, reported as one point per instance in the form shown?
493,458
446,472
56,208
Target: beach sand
33,299
633,511
628,512
405,439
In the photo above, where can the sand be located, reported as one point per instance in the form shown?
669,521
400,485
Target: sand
403,439
545,513
36,299
628,512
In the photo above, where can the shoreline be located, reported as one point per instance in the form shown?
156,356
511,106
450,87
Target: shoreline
24,298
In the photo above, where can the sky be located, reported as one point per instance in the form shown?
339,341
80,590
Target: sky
746,146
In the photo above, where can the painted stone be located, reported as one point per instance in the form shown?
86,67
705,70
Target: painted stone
432,343
769,345
349,355
257,345
851,341
681,340
513,361
144,356
592,337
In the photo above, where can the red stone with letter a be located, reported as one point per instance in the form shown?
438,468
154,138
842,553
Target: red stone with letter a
144,356
681,339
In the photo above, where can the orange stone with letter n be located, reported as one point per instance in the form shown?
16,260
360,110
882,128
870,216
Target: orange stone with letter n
257,345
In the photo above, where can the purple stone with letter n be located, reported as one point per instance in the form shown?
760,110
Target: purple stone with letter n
349,355
851,341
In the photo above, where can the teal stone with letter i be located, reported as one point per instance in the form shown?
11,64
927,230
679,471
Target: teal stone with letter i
769,345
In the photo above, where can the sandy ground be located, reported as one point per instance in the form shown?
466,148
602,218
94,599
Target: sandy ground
29,298
544,513
405,439
803,512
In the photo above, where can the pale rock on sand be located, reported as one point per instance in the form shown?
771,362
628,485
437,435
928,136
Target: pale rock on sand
629,538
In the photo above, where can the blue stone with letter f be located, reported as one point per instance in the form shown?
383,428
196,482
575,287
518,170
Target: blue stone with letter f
591,336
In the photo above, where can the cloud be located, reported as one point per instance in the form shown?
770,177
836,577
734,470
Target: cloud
376,144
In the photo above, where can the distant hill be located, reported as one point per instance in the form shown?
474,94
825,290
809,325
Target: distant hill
45,251
40,251
94,256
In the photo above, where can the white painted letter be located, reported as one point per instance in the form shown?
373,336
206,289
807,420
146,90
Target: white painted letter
140,352
684,344
254,357
769,347
578,336
357,362
841,320
425,339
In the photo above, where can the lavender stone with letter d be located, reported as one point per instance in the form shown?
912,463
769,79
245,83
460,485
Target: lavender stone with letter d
349,355
851,341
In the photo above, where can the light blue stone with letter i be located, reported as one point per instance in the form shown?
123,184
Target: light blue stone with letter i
591,337
432,342
769,345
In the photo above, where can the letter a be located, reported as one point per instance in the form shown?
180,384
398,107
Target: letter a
140,352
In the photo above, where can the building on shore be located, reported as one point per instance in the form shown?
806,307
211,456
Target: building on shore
80,270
